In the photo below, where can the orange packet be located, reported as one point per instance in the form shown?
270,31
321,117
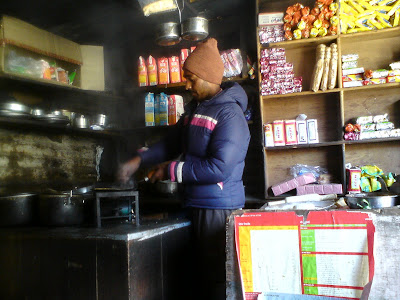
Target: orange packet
163,71
152,70
174,69
142,72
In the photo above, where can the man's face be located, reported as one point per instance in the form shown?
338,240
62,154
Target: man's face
199,87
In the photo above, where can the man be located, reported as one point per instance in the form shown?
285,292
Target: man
211,139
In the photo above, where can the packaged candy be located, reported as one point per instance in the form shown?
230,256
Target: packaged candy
349,57
349,64
364,120
395,65
380,118
350,71
372,81
384,126
392,79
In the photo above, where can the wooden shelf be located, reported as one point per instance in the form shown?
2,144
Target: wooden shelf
306,93
372,87
369,141
371,35
55,86
300,146
41,126
302,42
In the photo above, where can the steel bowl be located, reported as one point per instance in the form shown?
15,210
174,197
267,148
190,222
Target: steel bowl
168,34
195,29
371,200
15,107
81,121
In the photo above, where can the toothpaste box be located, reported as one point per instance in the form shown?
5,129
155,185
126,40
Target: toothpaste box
163,109
149,109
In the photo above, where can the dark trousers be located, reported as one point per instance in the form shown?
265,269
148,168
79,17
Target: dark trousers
209,227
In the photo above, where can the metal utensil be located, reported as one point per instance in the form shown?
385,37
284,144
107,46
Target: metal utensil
80,121
195,29
100,120
17,209
372,200
168,34
15,107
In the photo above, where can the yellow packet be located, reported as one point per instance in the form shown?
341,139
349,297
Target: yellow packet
375,23
396,18
395,7
357,7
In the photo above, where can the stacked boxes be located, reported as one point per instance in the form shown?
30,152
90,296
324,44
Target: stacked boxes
290,132
162,109
277,74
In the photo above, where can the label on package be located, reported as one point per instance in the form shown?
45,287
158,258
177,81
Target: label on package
275,18
142,72
163,109
353,178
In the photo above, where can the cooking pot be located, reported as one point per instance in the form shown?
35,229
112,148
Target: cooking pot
168,34
372,200
195,29
80,121
61,209
166,187
17,209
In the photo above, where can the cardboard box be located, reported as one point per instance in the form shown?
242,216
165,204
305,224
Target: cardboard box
25,40
279,133
175,108
312,131
268,135
163,109
290,132
149,109
157,109
301,126
163,70
92,69
21,39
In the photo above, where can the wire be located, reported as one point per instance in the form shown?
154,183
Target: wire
180,10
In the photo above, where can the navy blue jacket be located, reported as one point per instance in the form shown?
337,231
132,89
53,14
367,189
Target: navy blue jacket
211,138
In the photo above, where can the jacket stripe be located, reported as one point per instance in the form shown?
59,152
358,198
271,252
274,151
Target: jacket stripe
172,171
179,172
204,121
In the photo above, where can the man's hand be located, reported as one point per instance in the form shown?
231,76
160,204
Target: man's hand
127,169
159,173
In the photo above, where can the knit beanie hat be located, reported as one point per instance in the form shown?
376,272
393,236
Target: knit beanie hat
205,62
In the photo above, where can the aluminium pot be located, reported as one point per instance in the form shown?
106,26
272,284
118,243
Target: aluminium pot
195,29
372,200
168,34
17,209
61,209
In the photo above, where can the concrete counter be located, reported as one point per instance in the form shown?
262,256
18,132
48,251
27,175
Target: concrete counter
112,262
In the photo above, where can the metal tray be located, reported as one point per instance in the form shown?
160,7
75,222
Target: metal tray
15,107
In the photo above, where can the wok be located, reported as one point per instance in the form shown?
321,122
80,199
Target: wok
372,200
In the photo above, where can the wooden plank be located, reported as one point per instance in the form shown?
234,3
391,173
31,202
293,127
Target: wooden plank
369,102
279,162
323,107
385,155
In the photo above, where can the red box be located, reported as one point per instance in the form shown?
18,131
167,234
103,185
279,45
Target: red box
184,55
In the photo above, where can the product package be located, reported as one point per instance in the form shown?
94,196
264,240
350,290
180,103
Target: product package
312,131
184,55
290,132
175,108
279,133
142,72
268,135
152,70
174,69
149,109
163,71
283,187
163,109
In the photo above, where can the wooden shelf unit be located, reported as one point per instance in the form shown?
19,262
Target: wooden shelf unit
333,108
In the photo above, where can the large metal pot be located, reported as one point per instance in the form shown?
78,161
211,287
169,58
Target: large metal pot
372,200
61,209
195,29
17,209
168,34
166,187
